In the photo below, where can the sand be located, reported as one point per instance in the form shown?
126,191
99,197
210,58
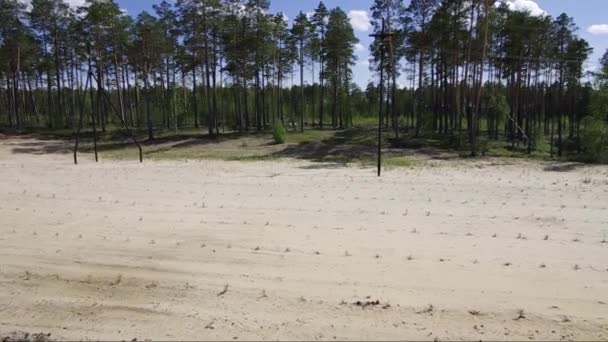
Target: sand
291,250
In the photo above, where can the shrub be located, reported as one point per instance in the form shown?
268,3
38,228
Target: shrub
456,141
594,139
539,141
279,134
483,146
594,135
427,122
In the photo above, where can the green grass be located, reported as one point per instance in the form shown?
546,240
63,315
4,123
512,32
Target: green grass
308,136
399,162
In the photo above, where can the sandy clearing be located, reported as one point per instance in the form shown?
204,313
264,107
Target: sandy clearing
118,250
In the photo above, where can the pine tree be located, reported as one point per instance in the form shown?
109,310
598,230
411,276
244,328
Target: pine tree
340,42
301,33
417,20
149,43
320,21
390,11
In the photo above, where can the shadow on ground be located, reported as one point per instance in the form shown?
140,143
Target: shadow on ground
565,167
334,150
40,143
360,144
330,148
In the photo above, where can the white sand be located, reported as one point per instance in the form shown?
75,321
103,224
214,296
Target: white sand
119,250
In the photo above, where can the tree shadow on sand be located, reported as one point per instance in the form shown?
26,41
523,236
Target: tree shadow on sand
563,167
360,144
41,143
336,150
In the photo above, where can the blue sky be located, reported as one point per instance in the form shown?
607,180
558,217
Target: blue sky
589,15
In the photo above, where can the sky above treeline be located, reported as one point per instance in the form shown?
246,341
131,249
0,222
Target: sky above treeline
590,16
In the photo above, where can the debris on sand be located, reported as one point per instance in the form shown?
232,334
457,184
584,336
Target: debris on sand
151,286
373,303
428,310
210,325
520,315
224,291
264,295
474,313
19,336
117,281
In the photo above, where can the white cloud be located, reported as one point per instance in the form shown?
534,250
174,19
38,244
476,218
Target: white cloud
598,29
359,20
525,6
359,47
310,14
73,3
591,66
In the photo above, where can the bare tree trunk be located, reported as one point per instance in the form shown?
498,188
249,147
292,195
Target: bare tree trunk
477,111
302,85
194,97
148,109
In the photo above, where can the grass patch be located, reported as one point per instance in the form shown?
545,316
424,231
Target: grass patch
309,136
389,162
399,162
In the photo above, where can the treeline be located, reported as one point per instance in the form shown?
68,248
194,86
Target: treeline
477,64
474,70
206,63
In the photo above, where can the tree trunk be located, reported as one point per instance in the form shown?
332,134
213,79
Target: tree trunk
302,85
194,97
148,108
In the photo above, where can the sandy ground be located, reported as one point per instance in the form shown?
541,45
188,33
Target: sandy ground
299,251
